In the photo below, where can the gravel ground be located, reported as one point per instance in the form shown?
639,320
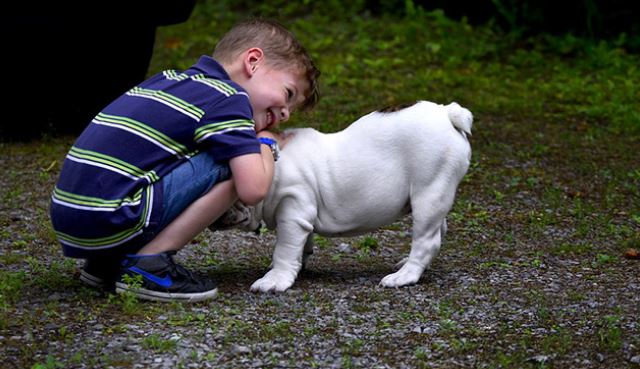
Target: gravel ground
533,274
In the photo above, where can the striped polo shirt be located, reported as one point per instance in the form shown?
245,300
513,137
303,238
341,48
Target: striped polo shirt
110,188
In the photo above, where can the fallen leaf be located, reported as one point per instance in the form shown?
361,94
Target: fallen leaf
632,253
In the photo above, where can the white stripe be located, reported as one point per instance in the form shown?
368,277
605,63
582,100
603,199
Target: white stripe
91,208
100,247
225,131
140,134
178,76
190,115
150,201
205,82
92,163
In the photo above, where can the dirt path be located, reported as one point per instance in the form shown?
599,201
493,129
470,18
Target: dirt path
533,274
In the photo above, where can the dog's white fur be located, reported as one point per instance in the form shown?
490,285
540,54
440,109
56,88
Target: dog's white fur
381,167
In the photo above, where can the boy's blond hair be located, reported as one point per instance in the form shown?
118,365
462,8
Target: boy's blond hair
280,47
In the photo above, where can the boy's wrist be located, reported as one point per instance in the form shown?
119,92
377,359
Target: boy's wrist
273,145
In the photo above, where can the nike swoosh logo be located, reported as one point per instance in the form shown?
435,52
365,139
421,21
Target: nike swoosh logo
164,282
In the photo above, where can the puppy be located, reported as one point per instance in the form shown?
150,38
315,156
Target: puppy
386,164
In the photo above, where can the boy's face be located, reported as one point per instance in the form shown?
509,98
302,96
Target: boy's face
274,94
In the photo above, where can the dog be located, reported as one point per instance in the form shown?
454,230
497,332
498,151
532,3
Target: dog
384,165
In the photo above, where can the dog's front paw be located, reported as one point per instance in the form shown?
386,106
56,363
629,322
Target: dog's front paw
273,281
403,277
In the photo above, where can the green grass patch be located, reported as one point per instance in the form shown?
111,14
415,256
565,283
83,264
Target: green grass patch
424,55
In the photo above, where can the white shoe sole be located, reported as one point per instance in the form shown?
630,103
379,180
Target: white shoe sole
91,280
145,294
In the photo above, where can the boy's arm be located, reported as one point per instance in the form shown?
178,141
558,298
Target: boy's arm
252,173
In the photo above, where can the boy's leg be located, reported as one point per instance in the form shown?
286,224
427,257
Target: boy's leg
193,220
190,205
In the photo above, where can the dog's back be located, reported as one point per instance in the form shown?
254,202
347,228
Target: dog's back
363,177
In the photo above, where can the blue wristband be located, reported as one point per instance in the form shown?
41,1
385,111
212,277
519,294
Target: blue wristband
273,145
267,141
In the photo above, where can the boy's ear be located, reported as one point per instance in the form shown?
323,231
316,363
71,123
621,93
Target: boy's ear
252,60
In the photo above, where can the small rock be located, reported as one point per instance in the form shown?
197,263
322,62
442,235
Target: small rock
541,359
239,349
52,327
425,330
344,247
635,359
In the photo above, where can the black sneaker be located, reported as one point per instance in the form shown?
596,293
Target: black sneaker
100,273
162,280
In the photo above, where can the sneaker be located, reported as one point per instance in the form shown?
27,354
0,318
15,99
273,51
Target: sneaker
100,274
237,216
163,280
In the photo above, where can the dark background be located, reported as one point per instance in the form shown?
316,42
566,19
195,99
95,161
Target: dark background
64,63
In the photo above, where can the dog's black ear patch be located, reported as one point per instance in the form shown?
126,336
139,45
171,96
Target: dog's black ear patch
394,108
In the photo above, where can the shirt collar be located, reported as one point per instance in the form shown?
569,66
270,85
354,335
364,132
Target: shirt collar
210,67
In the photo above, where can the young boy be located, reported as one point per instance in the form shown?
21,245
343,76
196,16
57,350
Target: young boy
167,158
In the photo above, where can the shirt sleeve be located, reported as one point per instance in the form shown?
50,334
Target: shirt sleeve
227,129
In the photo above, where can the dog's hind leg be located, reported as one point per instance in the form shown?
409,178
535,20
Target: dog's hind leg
443,232
430,207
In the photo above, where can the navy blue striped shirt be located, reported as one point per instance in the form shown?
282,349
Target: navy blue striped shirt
109,189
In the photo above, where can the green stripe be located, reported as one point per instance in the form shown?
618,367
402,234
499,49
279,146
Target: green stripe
174,75
97,241
170,99
103,241
219,126
145,130
112,162
106,159
93,201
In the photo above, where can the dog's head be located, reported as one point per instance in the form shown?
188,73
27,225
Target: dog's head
240,216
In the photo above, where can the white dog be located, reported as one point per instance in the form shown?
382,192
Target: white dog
386,164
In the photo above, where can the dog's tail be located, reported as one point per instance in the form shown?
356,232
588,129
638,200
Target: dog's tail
461,118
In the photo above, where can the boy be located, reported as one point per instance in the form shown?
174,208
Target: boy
167,158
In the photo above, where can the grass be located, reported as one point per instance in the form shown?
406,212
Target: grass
424,55
533,265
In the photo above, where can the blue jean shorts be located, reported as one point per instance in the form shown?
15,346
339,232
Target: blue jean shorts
181,187
187,183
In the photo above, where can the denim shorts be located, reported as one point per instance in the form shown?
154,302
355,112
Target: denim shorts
181,187
187,183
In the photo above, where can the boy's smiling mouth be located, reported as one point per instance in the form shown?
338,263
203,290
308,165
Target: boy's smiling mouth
270,119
